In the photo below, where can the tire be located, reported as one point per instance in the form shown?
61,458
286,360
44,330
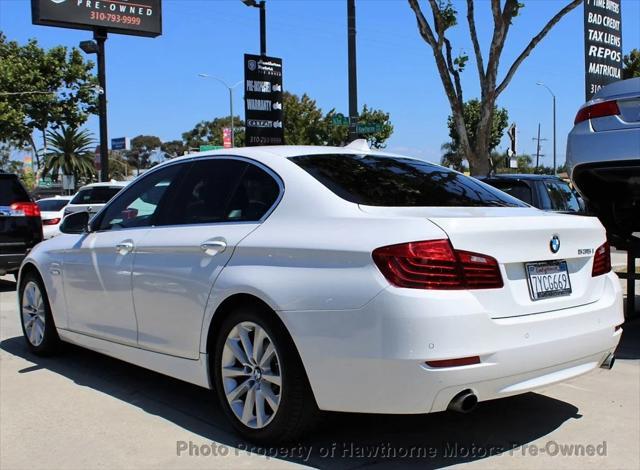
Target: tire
289,410
38,327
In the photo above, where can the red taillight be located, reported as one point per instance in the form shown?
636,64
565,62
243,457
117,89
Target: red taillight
462,361
51,222
602,260
434,264
606,108
28,209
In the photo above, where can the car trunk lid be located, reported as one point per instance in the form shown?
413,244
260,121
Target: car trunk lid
515,237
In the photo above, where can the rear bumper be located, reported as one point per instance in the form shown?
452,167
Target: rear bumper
374,359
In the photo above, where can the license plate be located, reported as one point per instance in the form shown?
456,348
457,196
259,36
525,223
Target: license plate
548,279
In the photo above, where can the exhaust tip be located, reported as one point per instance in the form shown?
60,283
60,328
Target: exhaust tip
608,362
463,402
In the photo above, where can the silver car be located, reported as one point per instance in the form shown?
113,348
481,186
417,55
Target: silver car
603,157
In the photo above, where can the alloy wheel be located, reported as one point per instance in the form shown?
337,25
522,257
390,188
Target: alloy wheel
33,313
251,375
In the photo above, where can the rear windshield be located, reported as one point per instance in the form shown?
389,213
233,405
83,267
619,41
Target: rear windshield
11,191
399,182
52,205
97,195
517,189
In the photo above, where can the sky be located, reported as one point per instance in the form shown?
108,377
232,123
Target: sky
153,86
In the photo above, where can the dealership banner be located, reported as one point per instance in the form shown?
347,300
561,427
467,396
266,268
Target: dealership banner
263,100
602,44
135,17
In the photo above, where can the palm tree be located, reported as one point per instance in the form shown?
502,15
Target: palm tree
70,152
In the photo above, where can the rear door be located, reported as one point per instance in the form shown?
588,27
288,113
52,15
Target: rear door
219,203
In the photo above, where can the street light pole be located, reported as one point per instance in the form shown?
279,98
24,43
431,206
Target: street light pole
101,36
263,23
230,88
353,78
555,172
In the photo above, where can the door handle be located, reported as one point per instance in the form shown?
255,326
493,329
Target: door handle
213,247
124,247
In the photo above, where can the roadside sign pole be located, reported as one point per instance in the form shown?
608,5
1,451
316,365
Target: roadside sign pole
353,78
100,36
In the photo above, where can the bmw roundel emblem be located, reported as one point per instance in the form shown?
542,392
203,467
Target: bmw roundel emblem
554,244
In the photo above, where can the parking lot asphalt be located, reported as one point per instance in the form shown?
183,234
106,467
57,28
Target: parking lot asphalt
83,410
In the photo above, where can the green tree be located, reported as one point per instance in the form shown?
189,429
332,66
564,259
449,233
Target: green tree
450,68
118,166
305,124
631,64
451,157
70,153
471,113
210,132
303,120
173,148
142,147
39,89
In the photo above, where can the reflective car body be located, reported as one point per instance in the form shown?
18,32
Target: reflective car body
52,213
316,235
545,192
603,157
93,197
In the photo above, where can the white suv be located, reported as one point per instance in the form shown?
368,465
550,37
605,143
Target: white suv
92,197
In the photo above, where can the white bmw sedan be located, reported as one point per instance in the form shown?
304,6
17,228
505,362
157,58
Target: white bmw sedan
297,279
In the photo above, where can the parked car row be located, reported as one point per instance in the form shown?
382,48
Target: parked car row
25,222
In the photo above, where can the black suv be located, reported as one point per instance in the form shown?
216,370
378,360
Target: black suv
545,192
20,223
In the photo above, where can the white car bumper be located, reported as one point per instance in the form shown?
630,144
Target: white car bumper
373,359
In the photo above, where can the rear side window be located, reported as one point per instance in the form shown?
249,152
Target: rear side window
205,193
254,196
401,182
52,205
562,197
517,189
12,191
95,195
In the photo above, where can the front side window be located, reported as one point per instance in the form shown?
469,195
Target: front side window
394,181
137,206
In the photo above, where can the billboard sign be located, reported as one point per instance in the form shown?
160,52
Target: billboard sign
226,137
263,100
121,143
135,17
602,44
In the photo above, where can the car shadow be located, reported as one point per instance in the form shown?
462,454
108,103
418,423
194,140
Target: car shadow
7,286
343,440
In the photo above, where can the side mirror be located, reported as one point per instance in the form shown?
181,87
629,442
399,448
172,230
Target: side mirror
78,222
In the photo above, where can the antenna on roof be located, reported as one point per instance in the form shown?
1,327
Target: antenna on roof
359,144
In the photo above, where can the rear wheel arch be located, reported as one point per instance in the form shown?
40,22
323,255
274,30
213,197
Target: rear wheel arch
231,304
